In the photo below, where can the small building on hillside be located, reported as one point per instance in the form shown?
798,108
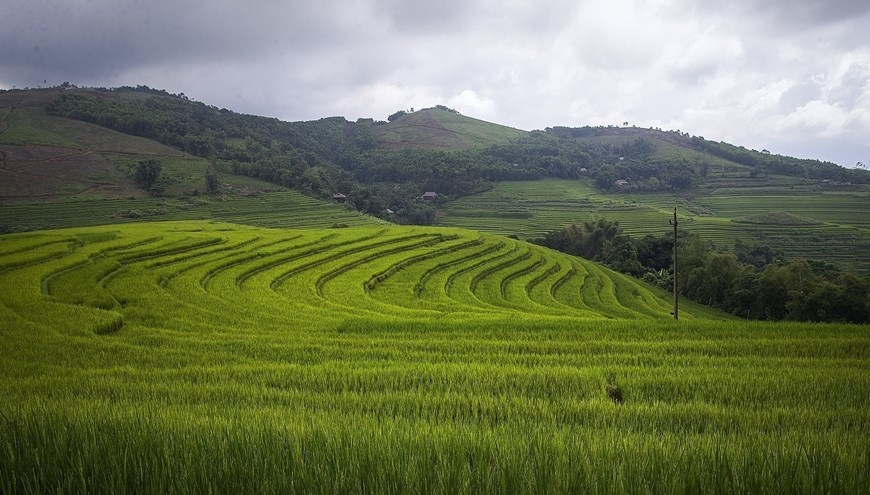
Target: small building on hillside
621,182
339,198
429,196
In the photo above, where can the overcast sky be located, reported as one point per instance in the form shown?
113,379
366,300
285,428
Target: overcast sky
790,76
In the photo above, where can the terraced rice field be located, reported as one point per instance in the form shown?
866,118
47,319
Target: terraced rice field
212,357
401,273
287,209
839,232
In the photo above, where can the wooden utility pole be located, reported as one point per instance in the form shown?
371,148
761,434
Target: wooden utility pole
676,296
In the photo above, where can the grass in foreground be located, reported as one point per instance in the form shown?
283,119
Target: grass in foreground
198,357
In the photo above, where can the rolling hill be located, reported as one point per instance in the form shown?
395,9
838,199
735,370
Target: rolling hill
68,144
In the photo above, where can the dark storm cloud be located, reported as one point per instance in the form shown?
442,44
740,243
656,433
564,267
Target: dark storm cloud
98,38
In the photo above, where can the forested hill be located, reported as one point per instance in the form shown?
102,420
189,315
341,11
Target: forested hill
383,165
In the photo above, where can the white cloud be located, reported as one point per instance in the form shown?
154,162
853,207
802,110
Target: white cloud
469,102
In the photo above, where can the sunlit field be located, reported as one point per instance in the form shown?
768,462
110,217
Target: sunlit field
211,357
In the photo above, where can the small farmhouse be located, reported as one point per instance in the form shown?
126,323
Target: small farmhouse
621,182
339,197
429,196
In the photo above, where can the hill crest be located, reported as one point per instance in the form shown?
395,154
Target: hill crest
442,129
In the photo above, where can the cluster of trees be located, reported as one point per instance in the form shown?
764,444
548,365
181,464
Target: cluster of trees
147,172
764,162
644,172
545,154
647,175
751,281
558,152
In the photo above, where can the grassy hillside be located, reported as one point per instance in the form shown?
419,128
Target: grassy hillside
439,129
210,357
835,227
715,163
45,158
49,158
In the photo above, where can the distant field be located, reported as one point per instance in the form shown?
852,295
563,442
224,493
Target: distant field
211,357
286,209
840,230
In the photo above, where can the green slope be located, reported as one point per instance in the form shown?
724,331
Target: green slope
836,227
277,209
197,357
437,129
388,272
45,158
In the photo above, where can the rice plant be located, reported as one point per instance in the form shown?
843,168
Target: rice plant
210,357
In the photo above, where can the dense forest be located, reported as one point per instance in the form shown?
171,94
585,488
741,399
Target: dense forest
753,281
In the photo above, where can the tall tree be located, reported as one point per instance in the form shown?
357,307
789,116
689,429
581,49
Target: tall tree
147,173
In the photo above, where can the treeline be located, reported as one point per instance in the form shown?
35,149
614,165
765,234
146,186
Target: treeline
634,161
752,281
632,165
764,162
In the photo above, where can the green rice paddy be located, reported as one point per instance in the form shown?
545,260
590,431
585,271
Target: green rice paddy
838,229
203,357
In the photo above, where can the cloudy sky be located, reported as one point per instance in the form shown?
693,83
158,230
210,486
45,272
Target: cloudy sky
792,76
